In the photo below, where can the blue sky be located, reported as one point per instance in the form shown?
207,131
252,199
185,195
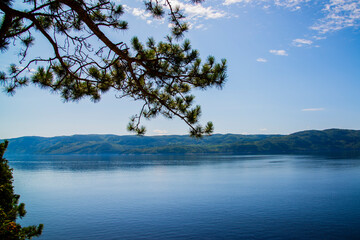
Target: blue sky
292,65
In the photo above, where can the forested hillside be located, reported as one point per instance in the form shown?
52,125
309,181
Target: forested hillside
326,141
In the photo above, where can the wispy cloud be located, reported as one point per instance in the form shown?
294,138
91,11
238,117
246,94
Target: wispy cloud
312,109
279,52
229,2
200,26
292,4
160,132
138,12
263,60
28,69
339,14
336,14
300,42
193,12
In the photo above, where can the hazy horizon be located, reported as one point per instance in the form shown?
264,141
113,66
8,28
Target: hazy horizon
159,135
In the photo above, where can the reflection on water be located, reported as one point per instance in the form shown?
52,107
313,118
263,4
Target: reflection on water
113,162
190,197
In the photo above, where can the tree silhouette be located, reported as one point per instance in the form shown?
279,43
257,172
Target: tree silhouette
161,75
10,209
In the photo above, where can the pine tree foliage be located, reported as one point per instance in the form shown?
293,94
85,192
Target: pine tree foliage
10,209
160,74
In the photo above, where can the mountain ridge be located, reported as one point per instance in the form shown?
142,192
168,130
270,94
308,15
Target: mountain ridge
302,142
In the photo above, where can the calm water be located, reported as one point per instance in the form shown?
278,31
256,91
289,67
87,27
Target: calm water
190,197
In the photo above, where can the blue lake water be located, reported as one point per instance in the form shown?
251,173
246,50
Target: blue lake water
190,197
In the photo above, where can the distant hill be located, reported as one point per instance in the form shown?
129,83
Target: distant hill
305,142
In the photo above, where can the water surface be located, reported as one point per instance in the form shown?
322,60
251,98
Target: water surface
190,197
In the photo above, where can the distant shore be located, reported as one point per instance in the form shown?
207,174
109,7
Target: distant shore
328,141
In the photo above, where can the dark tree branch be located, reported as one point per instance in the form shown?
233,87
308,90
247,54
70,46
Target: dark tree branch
162,75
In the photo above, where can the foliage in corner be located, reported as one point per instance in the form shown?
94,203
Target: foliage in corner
10,209
160,74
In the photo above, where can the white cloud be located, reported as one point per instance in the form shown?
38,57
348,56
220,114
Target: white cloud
339,14
263,60
30,71
193,13
293,4
200,26
140,13
300,42
312,109
335,14
199,11
263,129
229,2
160,132
279,52
319,37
